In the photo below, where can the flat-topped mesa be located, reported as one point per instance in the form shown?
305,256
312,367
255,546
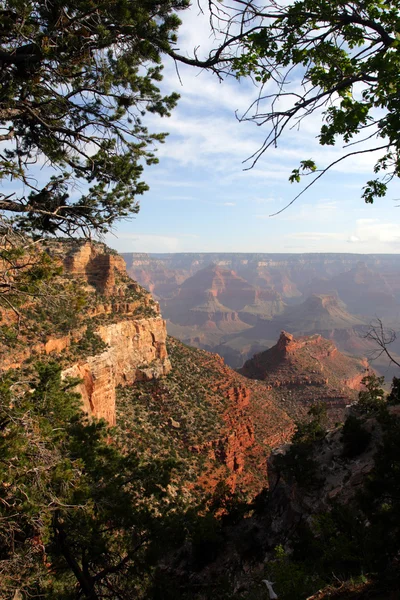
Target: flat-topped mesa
287,344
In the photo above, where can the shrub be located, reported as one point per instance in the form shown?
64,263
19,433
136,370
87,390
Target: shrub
298,462
371,401
355,437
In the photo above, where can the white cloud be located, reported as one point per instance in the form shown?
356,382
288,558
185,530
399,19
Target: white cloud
324,210
229,204
369,231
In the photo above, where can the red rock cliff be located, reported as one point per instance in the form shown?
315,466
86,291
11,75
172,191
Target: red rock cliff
306,370
136,351
117,310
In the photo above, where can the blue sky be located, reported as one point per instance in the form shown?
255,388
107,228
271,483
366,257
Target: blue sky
201,199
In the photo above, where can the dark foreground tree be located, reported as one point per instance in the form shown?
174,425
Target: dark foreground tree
335,61
78,519
76,80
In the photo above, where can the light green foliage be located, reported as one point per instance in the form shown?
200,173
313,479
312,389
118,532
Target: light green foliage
337,58
77,80
372,400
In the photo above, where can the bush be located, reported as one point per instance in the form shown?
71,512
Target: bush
371,401
292,581
298,462
90,344
355,437
394,396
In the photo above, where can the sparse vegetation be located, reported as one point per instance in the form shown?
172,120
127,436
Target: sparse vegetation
90,343
372,400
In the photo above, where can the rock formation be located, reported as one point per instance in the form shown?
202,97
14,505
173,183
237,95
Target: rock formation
360,287
98,267
135,351
116,310
221,425
306,370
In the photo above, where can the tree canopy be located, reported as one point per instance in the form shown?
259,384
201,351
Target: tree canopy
336,61
78,518
77,78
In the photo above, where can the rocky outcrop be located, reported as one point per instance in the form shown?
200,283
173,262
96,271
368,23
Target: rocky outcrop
136,348
98,268
369,286
339,479
218,420
116,338
136,351
306,370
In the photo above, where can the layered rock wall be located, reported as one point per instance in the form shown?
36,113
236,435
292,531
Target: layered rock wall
98,268
115,309
136,351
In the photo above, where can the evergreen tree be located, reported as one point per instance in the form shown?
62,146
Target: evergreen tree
77,78
77,517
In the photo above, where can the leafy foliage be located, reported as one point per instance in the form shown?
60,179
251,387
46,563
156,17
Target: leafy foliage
298,461
77,79
291,579
357,537
335,61
78,517
372,400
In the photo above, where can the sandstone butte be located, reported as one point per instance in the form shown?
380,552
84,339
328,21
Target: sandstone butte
306,370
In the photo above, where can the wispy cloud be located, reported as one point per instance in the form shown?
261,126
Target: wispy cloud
316,236
369,231
323,210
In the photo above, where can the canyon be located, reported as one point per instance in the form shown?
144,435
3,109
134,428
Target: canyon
238,443
119,350
223,424
237,304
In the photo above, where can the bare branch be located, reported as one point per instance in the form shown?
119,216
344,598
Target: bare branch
382,337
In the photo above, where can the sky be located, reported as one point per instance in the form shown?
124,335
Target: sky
202,199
